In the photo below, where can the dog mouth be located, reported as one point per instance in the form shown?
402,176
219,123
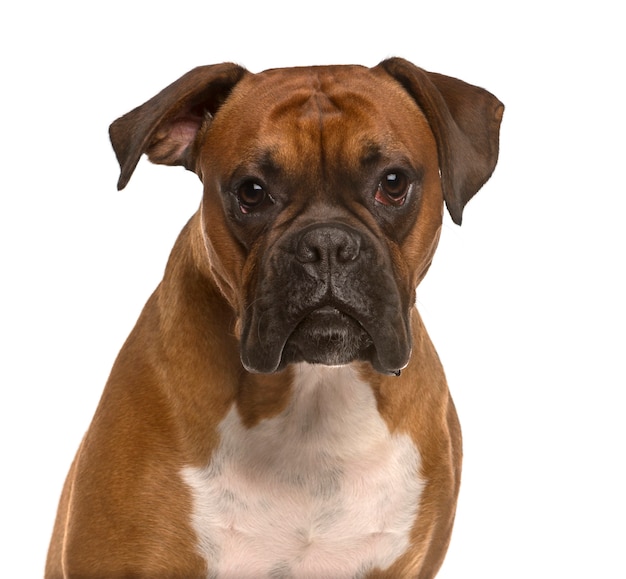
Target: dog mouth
327,336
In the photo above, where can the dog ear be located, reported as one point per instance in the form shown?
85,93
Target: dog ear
465,120
166,126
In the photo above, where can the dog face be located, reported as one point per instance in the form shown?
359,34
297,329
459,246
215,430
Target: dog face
331,194
323,195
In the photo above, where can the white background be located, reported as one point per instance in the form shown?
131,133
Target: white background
525,302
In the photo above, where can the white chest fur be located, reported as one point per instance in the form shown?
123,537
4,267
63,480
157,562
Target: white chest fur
321,490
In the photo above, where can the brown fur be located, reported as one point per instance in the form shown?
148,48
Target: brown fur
124,511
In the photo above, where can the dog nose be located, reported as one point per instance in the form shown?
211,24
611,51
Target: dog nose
328,246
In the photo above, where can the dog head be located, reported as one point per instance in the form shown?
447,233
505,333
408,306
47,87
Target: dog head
323,195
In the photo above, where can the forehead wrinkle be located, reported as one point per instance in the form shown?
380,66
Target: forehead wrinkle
294,142
324,120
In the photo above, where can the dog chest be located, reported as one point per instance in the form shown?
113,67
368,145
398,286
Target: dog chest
323,489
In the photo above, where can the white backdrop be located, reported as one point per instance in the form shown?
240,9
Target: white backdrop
525,302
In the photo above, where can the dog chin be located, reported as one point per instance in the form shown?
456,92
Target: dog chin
329,337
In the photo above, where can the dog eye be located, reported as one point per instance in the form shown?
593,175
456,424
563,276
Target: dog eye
250,196
392,189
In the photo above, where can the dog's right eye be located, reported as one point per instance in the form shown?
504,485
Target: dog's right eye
251,196
393,189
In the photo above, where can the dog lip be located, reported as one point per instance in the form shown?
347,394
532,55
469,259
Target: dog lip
328,313
272,349
325,311
387,361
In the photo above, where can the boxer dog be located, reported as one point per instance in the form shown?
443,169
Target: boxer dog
279,410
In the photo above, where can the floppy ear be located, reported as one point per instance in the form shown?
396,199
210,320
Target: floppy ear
465,120
166,126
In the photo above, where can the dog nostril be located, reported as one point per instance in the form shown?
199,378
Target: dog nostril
348,251
307,253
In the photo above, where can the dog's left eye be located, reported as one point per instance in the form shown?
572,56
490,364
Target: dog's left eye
393,189
250,196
